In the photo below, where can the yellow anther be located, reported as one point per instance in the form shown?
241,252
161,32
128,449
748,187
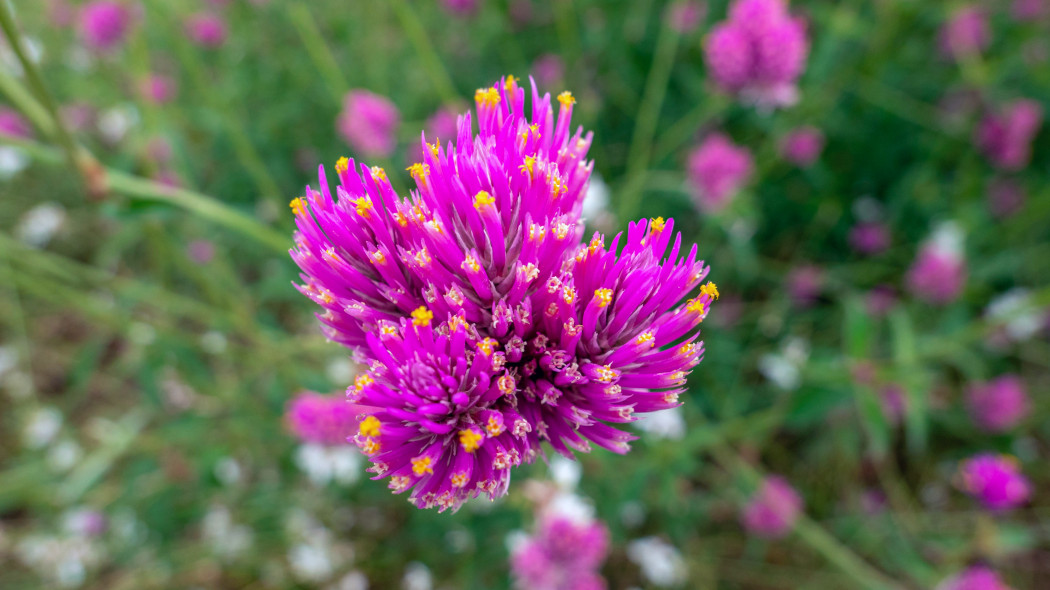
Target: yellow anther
606,374
535,129
362,381
568,294
487,346
687,349
422,316
557,186
695,305
460,480
378,173
509,82
370,446
377,257
422,257
597,243
470,439
471,264
388,329
657,225
327,297
456,322
646,338
710,289
603,297
363,205
493,427
529,166
487,96
506,384
298,206
419,172
342,165
421,465
435,147
483,198
369,426
401,220
566,99
561,231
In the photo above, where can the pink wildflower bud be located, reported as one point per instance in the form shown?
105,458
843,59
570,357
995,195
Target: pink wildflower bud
998,405
995,480
718,170
368,123
773,510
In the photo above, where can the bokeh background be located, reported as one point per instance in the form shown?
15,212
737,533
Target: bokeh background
151,339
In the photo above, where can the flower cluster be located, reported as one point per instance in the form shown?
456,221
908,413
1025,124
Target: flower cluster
488,326
773,510
975,578
758,53
104,24
995,480
1006,137
718,169
998,405
938,274
564,554
966,33
368,123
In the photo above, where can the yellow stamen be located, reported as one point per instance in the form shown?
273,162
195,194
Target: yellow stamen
695,305
486,346
362,381
483,198
369,426
471,264
710,289
421,465
342,165
646,338
509,83
566,99
487,96
657,225
422,316
378,173
529,166
363,205
298,206
470,439
494,428
459,480
370,446
603,297
419,172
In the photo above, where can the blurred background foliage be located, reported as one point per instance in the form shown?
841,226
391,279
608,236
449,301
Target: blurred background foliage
150,348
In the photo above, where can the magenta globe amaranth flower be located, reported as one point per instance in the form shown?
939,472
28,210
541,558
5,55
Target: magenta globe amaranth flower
13,124
718,169
773,510
998,405
322,419
869,238
938,274
488,326
758,53
563,555
158,88
802,146
104,24
965,33
1006,137
995,480
368,123
206,29
977,577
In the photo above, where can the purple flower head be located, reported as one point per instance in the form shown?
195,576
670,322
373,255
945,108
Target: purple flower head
159,89
368,123
684,16
869,238
804,284
461,7
995,480
1005,197
965,33
758,53
562,555
13,124
206,29
938,274
104,24
488,326
802,146
322,419
718,169
998,405
977,577
773,510
1006,137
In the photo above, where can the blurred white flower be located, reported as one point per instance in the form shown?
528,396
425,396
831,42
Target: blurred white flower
62,561
1020,317
572,507
84,522
79,59
311,561
321,464
667,423
565,472
354,580
8,359
596,200
40,224
41,428
213,342
227,540
228,471
417,577
12,161
784,368
340,371
115,123
64,455
661,564
632,514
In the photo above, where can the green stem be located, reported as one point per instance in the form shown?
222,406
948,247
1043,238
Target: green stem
640,151
318,50
21,327
417,35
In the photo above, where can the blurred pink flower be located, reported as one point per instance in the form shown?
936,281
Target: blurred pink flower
440,128
1006,137
1005,197
322,419
61,13
13,124
802,146
104,24
804,284
368,123
684,16
965,33
998,405
894,403
460,7
718,169
1030,9
206,29
548,69
977,577
773,510
995,480
158,88
869,238
880,300
159,150
938,273
200,251
563,554
758,53
79,116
